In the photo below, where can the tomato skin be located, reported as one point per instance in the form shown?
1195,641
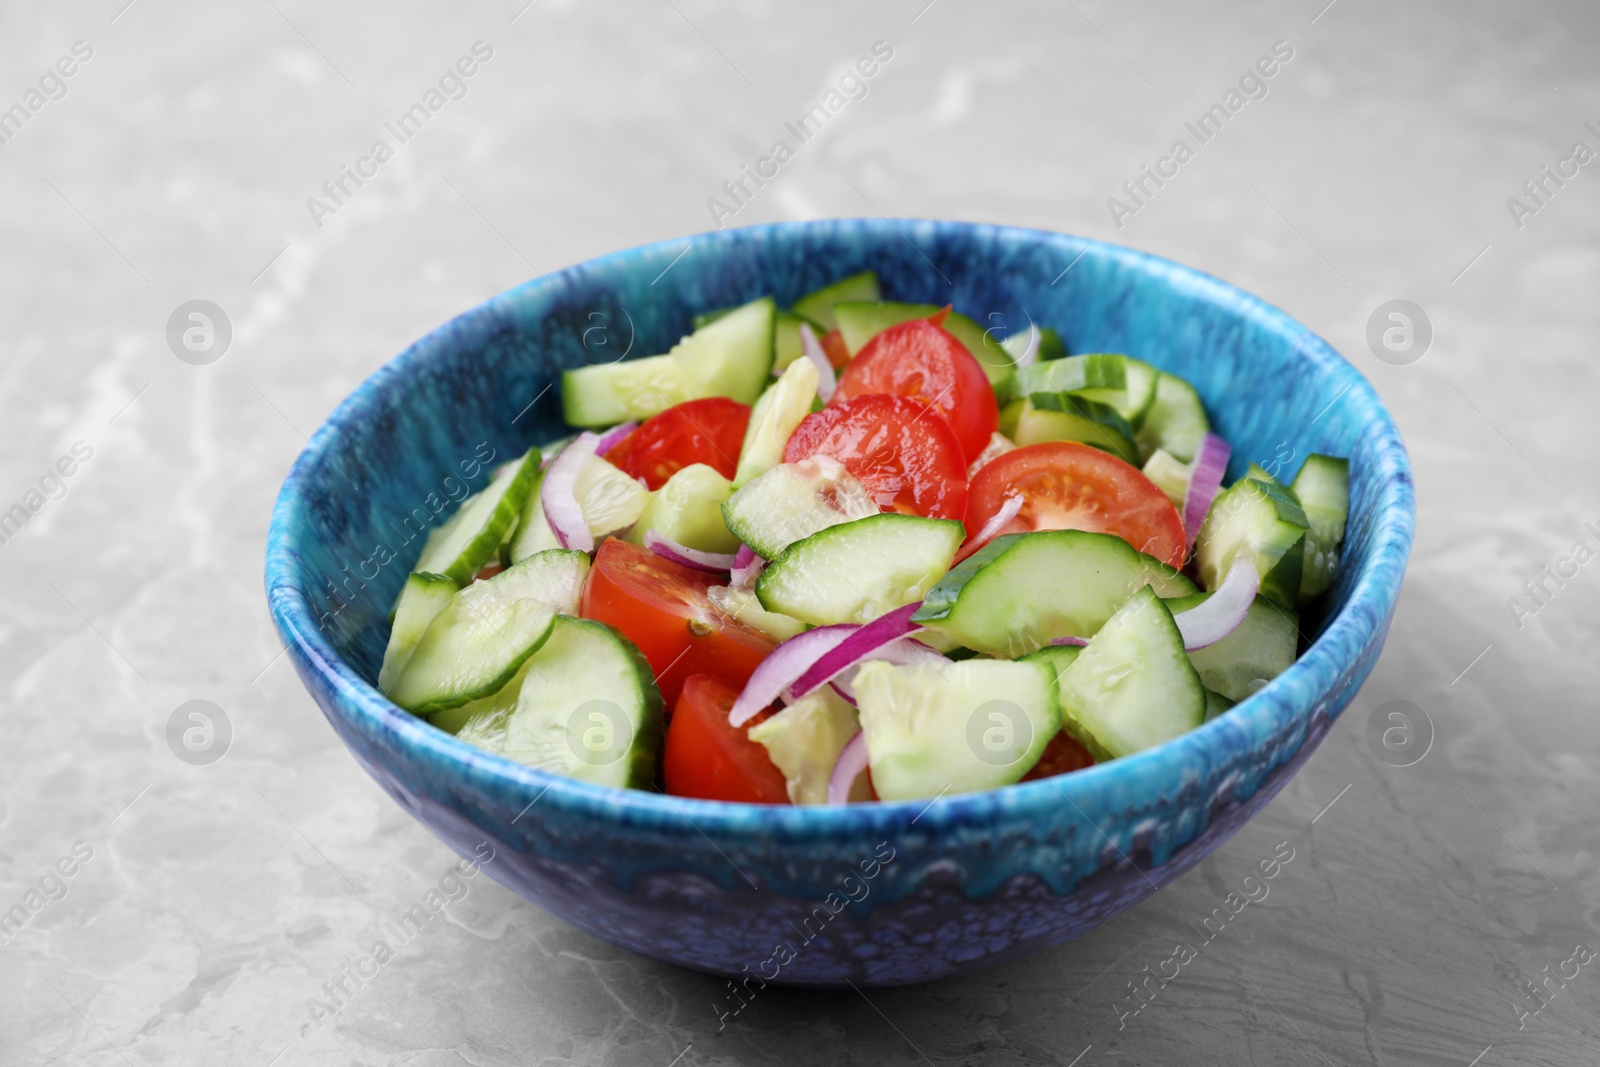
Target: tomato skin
1070,486
837,351
904,451
1062,755
922,360
708,431
710,760
661,606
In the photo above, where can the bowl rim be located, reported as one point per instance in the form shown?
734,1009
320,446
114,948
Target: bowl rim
1267,713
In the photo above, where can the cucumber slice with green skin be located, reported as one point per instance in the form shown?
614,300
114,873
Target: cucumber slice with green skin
819,306
587,709
687,509
609,499
1051,346
977,724
1262,521
483,711
1216,704
859,570
792,501
1070,417
421,599
487,631
785,337
1137,395
861,322
1261,648
1169,475
473,535
1021,591
1133,687
1175,421
781,408
804,741
745,606
1101,371
731,356
1323,489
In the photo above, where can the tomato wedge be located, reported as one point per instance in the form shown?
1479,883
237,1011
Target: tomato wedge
661,607
710,760
1061,755
708,431
924,361
1065,485
903,450
837,351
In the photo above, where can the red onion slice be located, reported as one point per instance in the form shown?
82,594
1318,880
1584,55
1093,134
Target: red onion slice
747,566
885,629
902,650
1079,642
1223,610
613,436
852,761
666,548
558,494
1009,509
1205,478
1030,348
814,352
782,666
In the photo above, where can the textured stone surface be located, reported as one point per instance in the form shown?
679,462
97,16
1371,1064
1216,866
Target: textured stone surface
177,166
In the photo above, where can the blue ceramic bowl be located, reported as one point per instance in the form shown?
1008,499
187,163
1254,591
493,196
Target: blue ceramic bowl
875,894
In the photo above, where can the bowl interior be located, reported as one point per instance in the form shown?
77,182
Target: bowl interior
426,428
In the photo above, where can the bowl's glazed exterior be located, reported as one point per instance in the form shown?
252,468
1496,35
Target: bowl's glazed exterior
874,894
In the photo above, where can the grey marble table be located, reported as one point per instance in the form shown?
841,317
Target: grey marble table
180,912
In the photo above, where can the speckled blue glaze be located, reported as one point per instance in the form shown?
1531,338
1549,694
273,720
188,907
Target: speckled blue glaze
971,880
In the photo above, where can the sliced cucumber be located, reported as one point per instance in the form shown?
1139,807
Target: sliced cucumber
786,341
1216,704
472,536
1137,395
861,322
1169,475
793,501
819,307
421,599
856,571
931,729
781,408
744,605
1262,521
1055,658
1176,420
1100,371
1133,687
804,741
487,631
481,713
1262,647
688,509
1323,489
1020,591
731,356
610,501
587,709
1069,417
1051,346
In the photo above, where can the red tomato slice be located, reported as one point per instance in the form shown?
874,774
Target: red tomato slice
924,361
837,351
708,431
710,760
903,450
661,607
1061,755
1065,485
